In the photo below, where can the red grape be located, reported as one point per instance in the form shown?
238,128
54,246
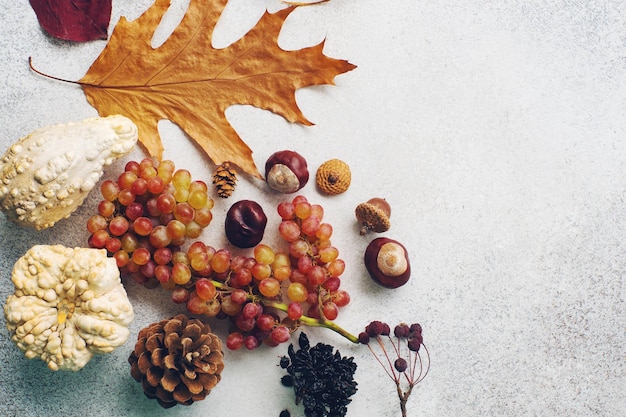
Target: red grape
234,341
280,334
142,226
118,225
265,322
205,289
294,310
330,310
96,222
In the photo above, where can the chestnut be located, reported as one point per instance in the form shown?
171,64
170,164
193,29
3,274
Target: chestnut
286,171
387,261
245,224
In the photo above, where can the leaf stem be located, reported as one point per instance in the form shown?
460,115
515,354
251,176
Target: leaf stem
52,77
301,3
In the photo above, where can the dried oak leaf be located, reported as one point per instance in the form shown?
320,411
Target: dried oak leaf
191,83
74,20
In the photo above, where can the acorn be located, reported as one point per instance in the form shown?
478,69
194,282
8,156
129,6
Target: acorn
333,177
373,215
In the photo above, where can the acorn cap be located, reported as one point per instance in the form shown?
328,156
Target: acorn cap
333,177
372,217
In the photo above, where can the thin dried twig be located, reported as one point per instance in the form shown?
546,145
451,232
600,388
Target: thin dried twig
300,3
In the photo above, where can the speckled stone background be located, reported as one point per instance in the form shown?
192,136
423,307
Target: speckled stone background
496,130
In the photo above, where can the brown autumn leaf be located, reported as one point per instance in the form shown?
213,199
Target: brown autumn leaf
191,83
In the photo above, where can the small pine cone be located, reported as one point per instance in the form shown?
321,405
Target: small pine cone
333,177
224,179
177,361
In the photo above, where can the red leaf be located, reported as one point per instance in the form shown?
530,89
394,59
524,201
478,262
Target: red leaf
74,20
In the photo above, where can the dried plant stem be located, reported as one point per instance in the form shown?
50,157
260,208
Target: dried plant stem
299,3
404,397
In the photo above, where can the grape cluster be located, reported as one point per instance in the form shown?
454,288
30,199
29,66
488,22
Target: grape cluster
146,215
268,294
149,213
315,278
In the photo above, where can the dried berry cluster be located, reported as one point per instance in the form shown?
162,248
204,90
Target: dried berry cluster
321,379
399,356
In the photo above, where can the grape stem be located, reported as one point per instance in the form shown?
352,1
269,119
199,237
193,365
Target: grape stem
306,320
313,322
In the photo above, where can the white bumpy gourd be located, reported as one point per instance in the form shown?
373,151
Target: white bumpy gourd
46,175
69,304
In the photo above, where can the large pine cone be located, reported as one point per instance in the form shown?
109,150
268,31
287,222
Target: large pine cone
177,361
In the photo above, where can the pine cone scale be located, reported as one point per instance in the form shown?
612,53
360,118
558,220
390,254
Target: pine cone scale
135,372
170,380
164,397
158,357
190,373
153,342
194,385
144,363
170,362
172,342
154,376
181,393
173,326
192,332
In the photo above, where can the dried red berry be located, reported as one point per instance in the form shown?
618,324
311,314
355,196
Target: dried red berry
400,365
401,330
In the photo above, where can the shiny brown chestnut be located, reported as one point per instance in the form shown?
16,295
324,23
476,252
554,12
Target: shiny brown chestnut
245,224
286,171
387,261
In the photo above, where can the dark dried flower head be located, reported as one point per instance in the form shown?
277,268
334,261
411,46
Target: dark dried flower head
414,342
400,365
364,338
401,330
374,328
409,368
416,328
377,328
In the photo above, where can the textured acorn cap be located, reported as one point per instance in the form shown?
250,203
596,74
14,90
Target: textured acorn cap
333,177
372,217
